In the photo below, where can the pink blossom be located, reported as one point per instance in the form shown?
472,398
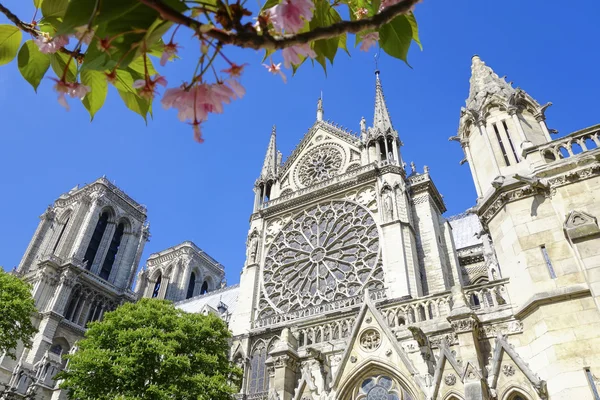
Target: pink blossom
82,33
48,45
276,69
369,40
147,87
197,132
73,89
290,15
168,52
237,88
291,55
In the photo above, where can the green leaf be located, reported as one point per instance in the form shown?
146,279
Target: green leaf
33,64
156,32
10,40
136,103
415,29
325,15
53,9
58,61
137,65
37,3
395,37
269,4
98,85
78,13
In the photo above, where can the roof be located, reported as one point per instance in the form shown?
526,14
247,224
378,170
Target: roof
464,228
228,295
185,244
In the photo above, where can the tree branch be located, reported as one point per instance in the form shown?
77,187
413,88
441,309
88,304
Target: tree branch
266,41
30,28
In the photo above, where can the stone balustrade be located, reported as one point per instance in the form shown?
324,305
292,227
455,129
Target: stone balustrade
321,309
487,295
576,143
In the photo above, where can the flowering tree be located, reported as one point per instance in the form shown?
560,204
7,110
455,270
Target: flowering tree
91,43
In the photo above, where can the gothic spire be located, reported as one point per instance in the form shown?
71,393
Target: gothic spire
269,168
484,81
320,110
381,119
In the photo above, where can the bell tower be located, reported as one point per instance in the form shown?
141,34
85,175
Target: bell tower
497,125
81,263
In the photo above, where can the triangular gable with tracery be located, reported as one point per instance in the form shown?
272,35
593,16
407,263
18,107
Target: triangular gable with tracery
503,347
372,342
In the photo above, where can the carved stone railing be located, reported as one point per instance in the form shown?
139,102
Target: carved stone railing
576,143
123,195
256,396
320,185
480,297
321,309
324,332
487,295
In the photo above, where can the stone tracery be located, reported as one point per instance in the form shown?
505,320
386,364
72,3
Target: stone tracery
328,252
320,164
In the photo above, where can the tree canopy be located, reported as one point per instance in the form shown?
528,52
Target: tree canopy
117,40
16,309
151,350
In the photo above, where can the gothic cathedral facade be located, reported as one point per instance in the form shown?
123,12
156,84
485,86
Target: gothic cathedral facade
355,285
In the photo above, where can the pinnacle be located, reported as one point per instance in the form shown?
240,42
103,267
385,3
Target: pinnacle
381,118
269,168
484,81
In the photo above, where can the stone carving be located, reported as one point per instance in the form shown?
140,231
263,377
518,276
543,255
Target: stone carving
320,164
450,379
370,339
579,225
353,359
508,370
328,252
464,325
388,205
252,248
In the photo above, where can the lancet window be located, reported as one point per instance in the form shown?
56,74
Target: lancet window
259,378
381,388
191,286
90,253
156,289
204,288
115,243
60,235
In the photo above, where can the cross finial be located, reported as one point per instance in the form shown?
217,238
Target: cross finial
376,56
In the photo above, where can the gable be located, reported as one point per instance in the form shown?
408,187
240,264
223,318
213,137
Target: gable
325,151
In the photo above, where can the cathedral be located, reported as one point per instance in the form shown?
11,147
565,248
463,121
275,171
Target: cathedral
355,285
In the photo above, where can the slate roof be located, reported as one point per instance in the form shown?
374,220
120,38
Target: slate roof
464,228
228,295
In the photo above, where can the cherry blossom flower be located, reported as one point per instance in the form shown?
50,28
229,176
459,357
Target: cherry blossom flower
168,52
235,70
197,132
49,45
291,55
84,34
276,69
238,90
73,89
290,15
148,86
369,40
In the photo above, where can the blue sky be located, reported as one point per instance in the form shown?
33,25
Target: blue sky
204,193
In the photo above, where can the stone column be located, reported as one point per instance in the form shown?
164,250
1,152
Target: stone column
284,360
46,220
465,146
87,228
483,131
396,153
63,293
76,224
103,248
164,284
465,325
541,119
143,238
377,151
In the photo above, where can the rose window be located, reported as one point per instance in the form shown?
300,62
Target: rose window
328,252
320,164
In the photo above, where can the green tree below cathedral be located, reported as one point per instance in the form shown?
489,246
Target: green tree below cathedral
151,350
16,309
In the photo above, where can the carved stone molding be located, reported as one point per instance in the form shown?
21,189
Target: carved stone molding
370,339
284,360
450,379
504,328
508,370
464,324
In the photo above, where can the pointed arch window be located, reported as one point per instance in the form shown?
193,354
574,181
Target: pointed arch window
60,235
191,286
156,287
204,288
259,378
90,253
115,243
381,387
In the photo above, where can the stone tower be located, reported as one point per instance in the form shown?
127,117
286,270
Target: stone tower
339,222
81,263
178,273
539,200
497,125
